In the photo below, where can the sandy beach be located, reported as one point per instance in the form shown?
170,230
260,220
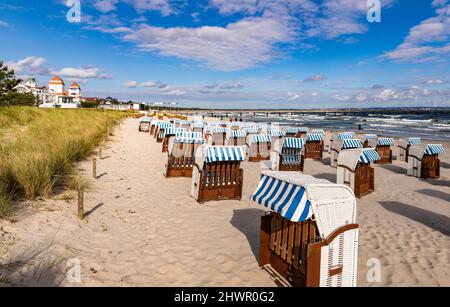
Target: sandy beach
142,229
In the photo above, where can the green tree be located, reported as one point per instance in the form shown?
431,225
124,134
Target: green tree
7,79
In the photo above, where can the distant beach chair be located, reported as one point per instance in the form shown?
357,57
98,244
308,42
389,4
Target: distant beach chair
185,124
276,135
198,127
287,155
180,156
217,173
354,169
144,124
236,137
160,130
340,145
314,146
291,132
235,125
168,133
216,136
340,136
369,140
302,132
384,150
404,145
423,161
310,237
259,147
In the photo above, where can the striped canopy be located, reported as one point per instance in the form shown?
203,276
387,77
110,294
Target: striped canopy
318,131
189,135
292,130
352,143
368,156
224,153
414,141
434,149
346,136
261,138
237,134
314,137
385,142
277,133
164,125
293,143
287,199
219,130
252,130
235,124
197,126
173,131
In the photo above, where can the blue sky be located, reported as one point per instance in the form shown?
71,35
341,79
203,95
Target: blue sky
230,53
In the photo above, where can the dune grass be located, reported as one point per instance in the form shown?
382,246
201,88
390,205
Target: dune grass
38,148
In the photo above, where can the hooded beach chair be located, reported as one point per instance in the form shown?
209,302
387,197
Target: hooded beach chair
291,132
423,161
383,148
180,156
404,145
160,131
340,145
276,135
216,136
217,173
314,146
310,235
340,136
198,127
354,169
259,147
168,133
144,124
287,155
236,137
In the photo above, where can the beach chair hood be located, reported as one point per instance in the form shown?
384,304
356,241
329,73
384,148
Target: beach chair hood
421,150
210,154
299,197
350,158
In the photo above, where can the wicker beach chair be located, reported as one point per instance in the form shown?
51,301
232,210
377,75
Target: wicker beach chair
288,155
216,136
236,137
384,150
340,145
160,130
180,156
423,161
168,133
310,235
217,173
259,147
354,169
340,137
144,124
314,146
369,140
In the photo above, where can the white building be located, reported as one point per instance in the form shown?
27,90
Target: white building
55,95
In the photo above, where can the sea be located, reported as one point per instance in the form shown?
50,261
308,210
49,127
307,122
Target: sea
433,126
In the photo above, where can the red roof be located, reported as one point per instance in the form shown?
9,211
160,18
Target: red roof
74,85
56,80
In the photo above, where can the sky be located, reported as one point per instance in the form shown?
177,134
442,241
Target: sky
236,54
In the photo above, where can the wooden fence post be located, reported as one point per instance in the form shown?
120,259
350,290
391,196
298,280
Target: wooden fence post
81,204
94,168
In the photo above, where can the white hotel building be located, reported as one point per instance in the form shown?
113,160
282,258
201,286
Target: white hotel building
55,95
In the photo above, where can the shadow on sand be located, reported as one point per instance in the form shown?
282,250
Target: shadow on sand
435,193
248,221
433,220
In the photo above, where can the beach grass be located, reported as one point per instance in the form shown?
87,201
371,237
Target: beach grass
38,148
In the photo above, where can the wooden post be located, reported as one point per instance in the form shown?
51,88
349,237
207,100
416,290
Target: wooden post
94,168
100,153
81,204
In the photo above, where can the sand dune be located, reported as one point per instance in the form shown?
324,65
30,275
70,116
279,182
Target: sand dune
145,230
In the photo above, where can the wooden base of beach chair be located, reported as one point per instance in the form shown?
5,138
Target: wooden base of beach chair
314,150
430,167
152,130
364,180
221,181
181,172
366,144
294,250
165,142
385,153
258,158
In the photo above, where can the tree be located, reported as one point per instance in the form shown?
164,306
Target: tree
7,79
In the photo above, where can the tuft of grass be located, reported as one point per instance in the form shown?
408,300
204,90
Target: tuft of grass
38,148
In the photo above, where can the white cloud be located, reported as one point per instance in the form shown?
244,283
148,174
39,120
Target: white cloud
427,41
150,84
315,78
141,6
239,45
434,81
29,65
131,84
82,73
105,6
4,24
